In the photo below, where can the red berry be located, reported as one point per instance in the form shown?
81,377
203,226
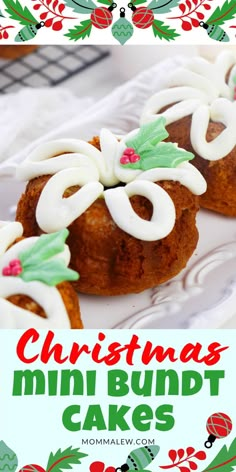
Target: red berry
134,158
16,271
57,26
6,271
97,467
186,26
15,262
124,159
101,17
129,151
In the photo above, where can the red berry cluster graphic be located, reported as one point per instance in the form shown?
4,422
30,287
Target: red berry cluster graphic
191,15
52,14
100,467
13,269
3,32
129,156
179,457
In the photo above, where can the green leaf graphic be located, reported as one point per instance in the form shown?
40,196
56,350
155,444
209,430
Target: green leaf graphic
225,460
62,460
19,13
222,14
81,31
163,6
164,31
81,6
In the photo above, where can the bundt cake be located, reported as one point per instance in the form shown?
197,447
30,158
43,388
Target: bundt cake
130,206
34,287
200,111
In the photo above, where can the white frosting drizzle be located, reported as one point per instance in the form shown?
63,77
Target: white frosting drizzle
49,298
93,171
200,89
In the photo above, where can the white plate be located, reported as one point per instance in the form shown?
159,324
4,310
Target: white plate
202,296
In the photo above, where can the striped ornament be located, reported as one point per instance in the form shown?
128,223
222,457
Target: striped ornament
219,425
140,458
215,32
28,32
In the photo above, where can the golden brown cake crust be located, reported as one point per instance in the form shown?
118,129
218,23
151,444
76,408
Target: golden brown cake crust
220,175
13,52
70,300
110,261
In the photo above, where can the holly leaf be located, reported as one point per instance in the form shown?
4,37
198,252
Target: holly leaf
105,2
46,247
50,273
163,6
19,13
64,459
164,31
225,460
148,136
163,155
81,6
222,14
81,31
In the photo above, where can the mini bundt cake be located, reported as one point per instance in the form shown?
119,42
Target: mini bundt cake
13,52
34,287
130,206
200,111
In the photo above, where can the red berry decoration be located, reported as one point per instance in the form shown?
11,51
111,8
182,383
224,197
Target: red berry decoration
101,17
14,269
142,17
100,467
129,156
219,425
32,468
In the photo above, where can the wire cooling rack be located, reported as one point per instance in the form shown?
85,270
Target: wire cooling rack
48,66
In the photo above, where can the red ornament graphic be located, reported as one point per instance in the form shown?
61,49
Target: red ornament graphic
219,425
142,17
32,468
101,17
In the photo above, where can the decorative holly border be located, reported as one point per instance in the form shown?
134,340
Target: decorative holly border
77,19
218,426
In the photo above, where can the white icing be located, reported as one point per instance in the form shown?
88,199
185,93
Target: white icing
163,217
94,170
200,89
48,298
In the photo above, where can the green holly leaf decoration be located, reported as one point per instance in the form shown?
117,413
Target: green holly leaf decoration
148,136
47,246
39,262
19,13
8,458
81,31
50,273
81,6
151,152
164,31
163,6
105,2
222,14
225,460
62,460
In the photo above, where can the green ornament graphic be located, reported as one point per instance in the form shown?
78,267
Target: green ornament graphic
28,32
122,30
215,32
8,459
139,459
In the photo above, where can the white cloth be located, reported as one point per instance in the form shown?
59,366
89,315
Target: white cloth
32,116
